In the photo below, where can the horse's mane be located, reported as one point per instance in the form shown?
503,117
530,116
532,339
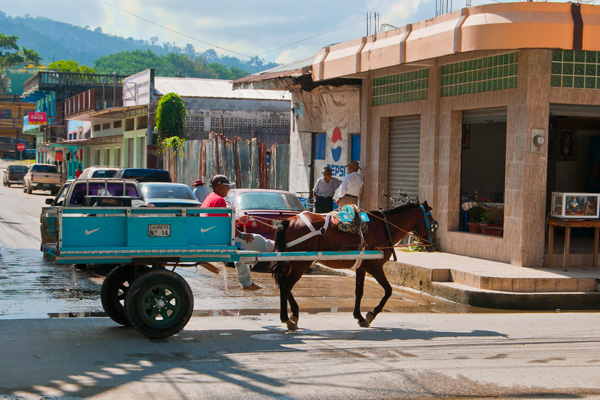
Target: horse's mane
396,210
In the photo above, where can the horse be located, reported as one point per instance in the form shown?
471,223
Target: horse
385,228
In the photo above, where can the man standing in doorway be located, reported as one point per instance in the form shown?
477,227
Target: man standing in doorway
324,190
352,185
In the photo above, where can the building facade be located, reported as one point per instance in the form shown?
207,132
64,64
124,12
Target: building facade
483,112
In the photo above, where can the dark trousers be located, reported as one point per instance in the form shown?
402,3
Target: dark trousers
323,204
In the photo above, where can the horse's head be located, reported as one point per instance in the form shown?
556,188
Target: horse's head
426,228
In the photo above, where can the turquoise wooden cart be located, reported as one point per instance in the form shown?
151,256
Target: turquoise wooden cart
143,243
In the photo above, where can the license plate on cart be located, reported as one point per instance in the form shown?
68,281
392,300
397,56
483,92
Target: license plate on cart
159,230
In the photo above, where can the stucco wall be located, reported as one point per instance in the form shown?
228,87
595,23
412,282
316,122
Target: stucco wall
324,110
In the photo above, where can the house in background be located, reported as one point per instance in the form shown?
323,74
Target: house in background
125,136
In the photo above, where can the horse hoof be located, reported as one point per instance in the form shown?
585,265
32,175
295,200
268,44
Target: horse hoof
364,323
294,319
291,325
370,318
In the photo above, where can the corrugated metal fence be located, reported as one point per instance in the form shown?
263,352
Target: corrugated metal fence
245,162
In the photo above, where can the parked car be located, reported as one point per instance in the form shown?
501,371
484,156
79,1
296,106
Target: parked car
165,194
42,177
264,207
97,192
14,174
144,174
99,171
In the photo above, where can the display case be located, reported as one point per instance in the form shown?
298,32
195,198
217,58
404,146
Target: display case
575,205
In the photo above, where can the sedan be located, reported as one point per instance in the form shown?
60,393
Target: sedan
14,174
262,210
162,194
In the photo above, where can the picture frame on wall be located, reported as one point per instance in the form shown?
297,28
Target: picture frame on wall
567,144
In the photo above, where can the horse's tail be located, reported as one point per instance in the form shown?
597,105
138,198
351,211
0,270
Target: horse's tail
280,269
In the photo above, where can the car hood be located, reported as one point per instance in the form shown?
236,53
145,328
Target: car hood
173,203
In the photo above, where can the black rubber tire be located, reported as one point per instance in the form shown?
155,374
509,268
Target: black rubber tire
159,304
114,289
29,190
7,184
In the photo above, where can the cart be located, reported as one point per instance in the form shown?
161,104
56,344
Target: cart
143,243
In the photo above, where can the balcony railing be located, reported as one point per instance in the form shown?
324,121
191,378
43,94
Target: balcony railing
66,80
93,100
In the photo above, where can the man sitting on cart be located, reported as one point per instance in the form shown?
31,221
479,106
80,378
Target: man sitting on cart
246,241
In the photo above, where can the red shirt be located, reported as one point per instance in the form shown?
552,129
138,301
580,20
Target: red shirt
214,200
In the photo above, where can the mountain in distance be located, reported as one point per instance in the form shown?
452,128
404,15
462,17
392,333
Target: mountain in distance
55,40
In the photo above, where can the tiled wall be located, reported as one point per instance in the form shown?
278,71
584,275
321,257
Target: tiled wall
484,74
399,88
575,69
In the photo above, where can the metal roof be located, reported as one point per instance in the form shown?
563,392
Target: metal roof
293,69
212,88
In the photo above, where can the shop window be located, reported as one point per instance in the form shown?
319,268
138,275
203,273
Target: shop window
117,124
142,122
320,144
129,124
482,178
106,126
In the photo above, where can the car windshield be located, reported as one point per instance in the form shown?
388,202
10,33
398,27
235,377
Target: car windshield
80,191
104,173
147,175
168,192
44,168
17,168
268,201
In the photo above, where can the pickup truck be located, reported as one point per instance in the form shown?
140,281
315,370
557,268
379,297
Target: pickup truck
42,177
14,174
87,193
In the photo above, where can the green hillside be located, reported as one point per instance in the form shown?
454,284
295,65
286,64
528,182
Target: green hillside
55,40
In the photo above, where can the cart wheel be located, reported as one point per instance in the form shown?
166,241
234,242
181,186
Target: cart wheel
159,304
114,289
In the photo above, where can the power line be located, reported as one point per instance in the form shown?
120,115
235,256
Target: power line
311,37
174,31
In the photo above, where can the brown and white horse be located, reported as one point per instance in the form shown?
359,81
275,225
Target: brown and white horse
295,234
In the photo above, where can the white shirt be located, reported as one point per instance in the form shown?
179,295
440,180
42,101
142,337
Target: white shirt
351,185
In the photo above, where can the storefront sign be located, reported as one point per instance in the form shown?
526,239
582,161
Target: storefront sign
37,118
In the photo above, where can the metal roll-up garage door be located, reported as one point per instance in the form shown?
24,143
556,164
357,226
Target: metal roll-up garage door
130,153
404,155
484,115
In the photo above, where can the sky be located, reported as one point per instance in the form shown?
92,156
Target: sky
280,31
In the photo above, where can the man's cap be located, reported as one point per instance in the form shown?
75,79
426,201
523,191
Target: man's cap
198,182
326,170
354,164
219,180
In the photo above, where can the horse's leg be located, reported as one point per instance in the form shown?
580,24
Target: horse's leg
377,272
358,294
293,278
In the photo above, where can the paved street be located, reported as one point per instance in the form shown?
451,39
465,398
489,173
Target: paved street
56,342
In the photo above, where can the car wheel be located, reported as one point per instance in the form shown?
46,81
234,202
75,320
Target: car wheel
29,190
7,184
159,304
114,290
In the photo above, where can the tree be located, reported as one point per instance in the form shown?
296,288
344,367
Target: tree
10,54
70,66
170,116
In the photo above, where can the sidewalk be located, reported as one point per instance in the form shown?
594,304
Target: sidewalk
491,284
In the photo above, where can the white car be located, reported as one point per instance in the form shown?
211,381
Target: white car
163,194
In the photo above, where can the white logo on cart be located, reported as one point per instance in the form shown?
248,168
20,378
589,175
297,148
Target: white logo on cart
92,231
203,230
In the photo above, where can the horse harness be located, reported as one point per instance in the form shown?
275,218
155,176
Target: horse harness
313,232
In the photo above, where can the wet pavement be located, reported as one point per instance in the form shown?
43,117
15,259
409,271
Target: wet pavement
33,288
